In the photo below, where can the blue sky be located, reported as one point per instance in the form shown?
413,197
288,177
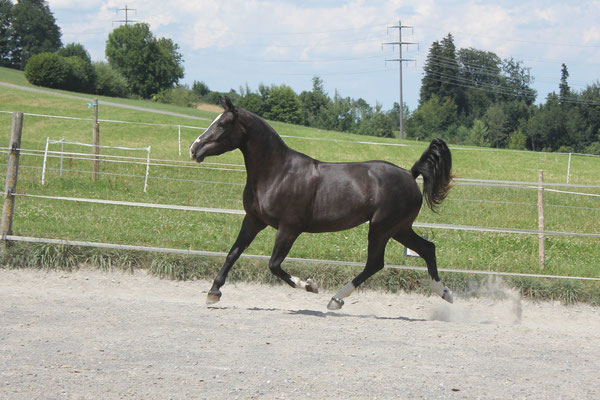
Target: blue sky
229,44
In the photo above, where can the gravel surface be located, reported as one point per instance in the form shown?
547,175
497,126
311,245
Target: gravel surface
96,335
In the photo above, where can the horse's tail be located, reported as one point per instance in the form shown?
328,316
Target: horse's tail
435,165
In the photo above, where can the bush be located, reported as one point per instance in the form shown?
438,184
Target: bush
517,140
75,50
593,148
179,96
49,70
84,75
54,71
379,125
109,82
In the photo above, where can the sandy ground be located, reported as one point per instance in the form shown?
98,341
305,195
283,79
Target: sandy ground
98,335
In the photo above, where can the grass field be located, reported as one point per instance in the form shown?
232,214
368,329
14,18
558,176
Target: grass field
214,185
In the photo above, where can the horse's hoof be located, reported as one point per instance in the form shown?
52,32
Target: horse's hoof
335,304
311,286
447,295
213,297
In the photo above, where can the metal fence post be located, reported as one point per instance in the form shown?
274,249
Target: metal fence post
45,161
12,170
569,169
179,139
96,142
62,154
541,236
147,169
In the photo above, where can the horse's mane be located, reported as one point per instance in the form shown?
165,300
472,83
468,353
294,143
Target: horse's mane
256,125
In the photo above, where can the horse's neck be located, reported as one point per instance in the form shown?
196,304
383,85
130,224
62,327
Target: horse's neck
264,151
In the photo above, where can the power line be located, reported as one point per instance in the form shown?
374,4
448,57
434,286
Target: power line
498,89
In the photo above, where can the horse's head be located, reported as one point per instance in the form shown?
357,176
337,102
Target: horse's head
224,134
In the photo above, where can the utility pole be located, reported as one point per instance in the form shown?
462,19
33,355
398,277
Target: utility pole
126,20
400,60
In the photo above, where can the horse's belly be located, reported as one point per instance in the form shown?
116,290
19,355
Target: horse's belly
334,225
338,214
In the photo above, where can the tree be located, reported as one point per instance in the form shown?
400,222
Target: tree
283,105
6,33
200,89
431,82
590,111
149,64
478,134
378,124
516,81
75,50
481,72
546,129
313,103
435,118
496,123
564,89
517,140
442,74
35,31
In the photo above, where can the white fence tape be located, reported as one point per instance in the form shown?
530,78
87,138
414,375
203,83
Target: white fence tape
261,257
241,212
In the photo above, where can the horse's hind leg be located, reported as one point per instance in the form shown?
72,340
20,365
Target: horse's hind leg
250,228
375,262
426,250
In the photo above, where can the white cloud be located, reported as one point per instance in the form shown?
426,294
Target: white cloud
345,30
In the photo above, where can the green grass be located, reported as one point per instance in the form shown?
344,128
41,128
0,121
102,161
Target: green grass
466,205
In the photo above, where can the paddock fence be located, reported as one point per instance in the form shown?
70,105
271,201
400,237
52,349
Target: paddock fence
14,151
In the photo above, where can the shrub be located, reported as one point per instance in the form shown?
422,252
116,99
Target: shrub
75,50
593,148
49,70
84,75
179,96
54,71
517,140
109,82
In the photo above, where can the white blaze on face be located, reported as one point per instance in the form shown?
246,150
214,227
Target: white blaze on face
207,129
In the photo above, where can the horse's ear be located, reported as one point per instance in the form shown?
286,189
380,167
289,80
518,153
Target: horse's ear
227,104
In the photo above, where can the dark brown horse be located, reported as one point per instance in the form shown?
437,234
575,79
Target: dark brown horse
295,193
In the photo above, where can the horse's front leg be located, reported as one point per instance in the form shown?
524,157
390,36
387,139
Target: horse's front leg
250,228
283,244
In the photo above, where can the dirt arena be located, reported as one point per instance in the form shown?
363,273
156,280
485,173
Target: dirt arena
93,335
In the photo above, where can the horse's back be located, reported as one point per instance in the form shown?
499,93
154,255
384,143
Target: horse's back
349,194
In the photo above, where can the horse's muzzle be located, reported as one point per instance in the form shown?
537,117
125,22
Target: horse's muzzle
194,153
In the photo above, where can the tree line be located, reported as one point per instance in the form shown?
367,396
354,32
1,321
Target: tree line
467,96
471,96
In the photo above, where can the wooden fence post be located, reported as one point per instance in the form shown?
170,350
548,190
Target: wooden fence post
541,236
12,169
96,142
